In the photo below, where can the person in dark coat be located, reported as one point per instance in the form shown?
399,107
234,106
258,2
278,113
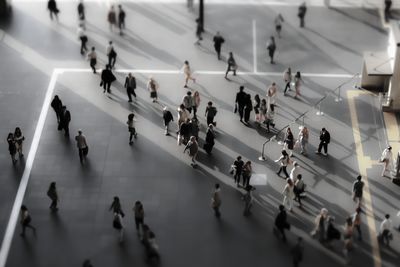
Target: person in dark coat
297,252
65,119
194,128
56,104
121,19
107,77
52,7
210,136
281,222
81,11
167,117
185,131
302,13
130,85
25,220
238,168
324,138
210,113
271,47
116,206
218,41
248,108
232,66
12,148
240,102
52,194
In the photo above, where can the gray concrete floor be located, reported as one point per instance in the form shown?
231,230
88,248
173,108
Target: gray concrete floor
154,170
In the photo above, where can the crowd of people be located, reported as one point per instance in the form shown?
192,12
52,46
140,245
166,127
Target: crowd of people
188,128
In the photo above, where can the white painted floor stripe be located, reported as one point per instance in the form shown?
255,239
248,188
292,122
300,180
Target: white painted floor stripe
12,222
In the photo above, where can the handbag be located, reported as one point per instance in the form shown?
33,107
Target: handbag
101,83
235,109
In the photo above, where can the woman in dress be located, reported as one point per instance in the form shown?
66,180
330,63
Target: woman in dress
188,73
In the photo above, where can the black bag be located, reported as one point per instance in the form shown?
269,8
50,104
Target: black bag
112,53
101,83
85,150
235,109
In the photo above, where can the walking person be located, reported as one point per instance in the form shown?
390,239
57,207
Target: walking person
84,39
320,225
81,13
240,102
52,7
356,218
116,206
193,148
111,54
152,86
112,18
247,171
232,66
288,194
263,111
358,186
118,225
121,19
271,47
53,195
387,160
332,233
297,252
248,200
83,148
348,239
65,119
387,12
130,85
281,223
12,148
92,57
107,77
216,200
210,113
278,24
299,188
210,136
256,107
302,13
183,115
196,103
218,41
303,139
284,161
188,73
297,84
138,211
325,139
238,168
131,127
385,234
295,171
167,117
188,102
287,78
288,142
56,104
247,109
199,31
25,220
19,141
271,96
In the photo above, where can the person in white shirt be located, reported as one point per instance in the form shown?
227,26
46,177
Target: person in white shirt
82,36
82,145
387,160
384,230
288,194
92,57
271,96
294,172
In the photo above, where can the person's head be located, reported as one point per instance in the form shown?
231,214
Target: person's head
230,54
53,185
239,158
64,107
80,132
281,207
165,108
389,148
217,33
186,62
182,106
289,70
349,221
196,93
217,186
152,235
56,97
284,153
129,74
187,120
193,138
387,216
116,199
298,75
324,212
145,227
93,48
108,67
359,177
112,7
209,103
119,6
137,203
289,181
189,93
299,176
358,210
263,101
211,126
331,219
131,116
110,42
295,164
24,208
248,162
17,130
273,84
289,130
241,88
272,38
87,263
257,98
10,136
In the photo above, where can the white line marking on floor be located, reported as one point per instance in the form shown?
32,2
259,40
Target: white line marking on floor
254,47
211,72
12,222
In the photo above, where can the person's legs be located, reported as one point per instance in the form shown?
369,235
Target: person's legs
326,148
227,70
319,147
285,171
80,150
240,109
109,57
108,87
114,59
280,170
66,129
92,65
287,87
129,93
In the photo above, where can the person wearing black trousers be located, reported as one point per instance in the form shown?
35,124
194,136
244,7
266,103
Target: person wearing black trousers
52,7
240,102
210,136
116,206
271,47
25,220
218,41
65,119
324,138
302,13
111,54
281,222
107,77
232,66
238,167
56,104
284,161
248,108
53,195
81,11
130,85
210,113
92,57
